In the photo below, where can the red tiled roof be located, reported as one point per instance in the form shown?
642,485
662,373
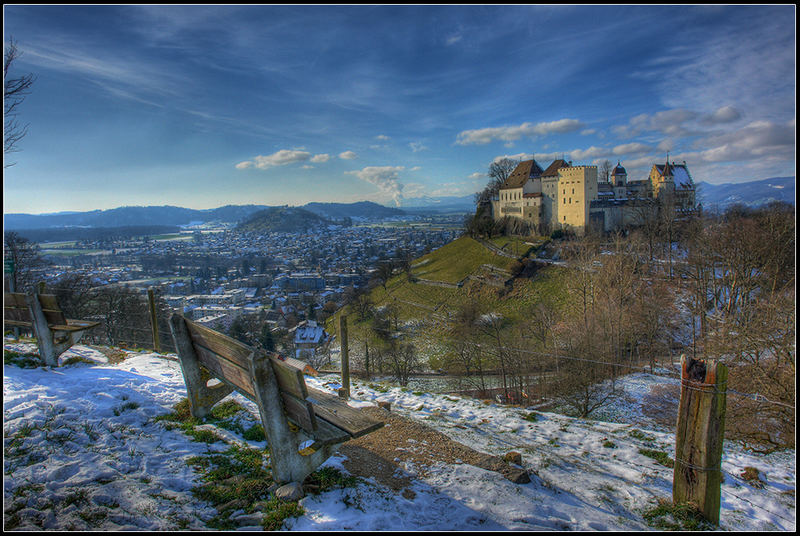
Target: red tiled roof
524,171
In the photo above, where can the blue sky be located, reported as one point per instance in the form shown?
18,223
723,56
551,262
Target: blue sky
202,106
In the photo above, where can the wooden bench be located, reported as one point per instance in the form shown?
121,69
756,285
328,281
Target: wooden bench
40,313
303,425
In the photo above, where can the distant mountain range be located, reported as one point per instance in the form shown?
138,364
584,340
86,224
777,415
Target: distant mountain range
751,194
170,215
712,196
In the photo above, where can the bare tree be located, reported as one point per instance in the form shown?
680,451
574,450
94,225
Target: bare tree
498,173
25,256
604,171
403,361
15,89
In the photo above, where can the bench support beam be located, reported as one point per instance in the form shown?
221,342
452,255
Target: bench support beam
49,350
201,397
288,465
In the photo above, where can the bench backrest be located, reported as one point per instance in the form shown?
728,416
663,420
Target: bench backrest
15,308
228,360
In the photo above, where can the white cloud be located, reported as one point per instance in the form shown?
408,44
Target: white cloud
586,154
320,158
385,178
280,158
757,140
512,133
726,114
670,122
382,137
417,146
631,148
453,39
348,155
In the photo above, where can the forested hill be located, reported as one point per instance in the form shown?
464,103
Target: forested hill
362,209
282,219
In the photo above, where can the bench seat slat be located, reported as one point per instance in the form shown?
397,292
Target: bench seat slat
335,411
328,434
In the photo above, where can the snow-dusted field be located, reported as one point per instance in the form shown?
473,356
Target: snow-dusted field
82,436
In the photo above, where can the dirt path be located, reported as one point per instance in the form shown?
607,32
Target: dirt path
405,442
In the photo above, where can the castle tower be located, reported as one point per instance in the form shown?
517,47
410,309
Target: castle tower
661,179
619,181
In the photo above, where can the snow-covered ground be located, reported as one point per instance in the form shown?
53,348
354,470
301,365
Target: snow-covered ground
83,437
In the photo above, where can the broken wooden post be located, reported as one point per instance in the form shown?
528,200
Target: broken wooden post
153,320
344,356
700,431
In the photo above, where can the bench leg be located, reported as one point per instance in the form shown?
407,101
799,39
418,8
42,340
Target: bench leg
288,465
44,337
201,397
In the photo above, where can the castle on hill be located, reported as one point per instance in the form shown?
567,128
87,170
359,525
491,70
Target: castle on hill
569,197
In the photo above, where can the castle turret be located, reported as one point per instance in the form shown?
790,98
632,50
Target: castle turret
619,180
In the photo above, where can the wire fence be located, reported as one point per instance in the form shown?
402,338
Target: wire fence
132,327
495,350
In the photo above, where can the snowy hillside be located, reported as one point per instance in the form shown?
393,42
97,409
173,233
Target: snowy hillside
83,451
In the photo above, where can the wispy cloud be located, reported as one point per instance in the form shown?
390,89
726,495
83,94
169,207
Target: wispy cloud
483,136
282,158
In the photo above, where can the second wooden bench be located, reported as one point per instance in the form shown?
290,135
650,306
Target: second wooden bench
40,313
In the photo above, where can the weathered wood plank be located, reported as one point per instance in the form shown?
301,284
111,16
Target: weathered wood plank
338,413
225,370
327,434
290,379
220,344
14,299
300,412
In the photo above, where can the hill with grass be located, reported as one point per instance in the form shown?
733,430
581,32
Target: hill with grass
501,276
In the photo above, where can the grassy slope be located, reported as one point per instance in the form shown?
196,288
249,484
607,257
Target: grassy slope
428,307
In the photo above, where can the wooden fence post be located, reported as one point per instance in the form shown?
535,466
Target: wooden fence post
154,320
700,431
344,356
